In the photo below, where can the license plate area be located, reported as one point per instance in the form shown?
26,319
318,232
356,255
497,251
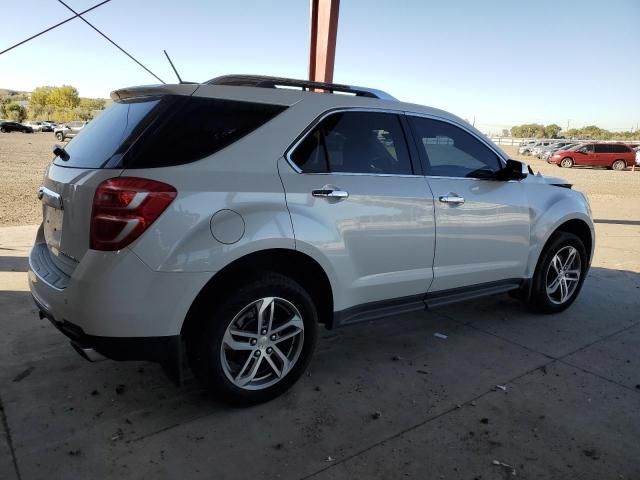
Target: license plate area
53,227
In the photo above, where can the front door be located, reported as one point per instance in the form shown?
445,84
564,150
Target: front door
358,207
585,156
482,224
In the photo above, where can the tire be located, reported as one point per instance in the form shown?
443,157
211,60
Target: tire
566,162
60,136
619,165
544,297
227,371
3,130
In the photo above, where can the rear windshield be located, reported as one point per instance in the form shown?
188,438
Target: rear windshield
163,131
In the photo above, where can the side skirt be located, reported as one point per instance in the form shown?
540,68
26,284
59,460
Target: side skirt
397,306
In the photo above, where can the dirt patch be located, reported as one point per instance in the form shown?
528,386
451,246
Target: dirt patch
23,159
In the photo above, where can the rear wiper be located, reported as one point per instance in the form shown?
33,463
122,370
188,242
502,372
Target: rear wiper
59,151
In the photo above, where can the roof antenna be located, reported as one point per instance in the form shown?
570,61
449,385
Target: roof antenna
172,66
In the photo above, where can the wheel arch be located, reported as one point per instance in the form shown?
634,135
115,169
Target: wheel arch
299,266
581,226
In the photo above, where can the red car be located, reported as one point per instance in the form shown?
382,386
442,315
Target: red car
611,155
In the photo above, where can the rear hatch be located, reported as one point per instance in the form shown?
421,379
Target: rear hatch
146,127
70,181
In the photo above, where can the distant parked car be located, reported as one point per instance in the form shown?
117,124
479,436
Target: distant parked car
537,149
51,125
550,150
6,127
612,155
637,150
68,130
39,126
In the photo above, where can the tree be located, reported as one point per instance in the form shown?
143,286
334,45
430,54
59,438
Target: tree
15,112
552,131
40,96
92,103
65,96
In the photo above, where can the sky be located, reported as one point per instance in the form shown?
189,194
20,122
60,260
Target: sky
501,62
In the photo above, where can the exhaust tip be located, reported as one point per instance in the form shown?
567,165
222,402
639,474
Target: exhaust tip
87,353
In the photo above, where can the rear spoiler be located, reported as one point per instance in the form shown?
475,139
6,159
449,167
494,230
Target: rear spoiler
185,89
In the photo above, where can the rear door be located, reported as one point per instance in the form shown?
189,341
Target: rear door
482,224
359,205
602,155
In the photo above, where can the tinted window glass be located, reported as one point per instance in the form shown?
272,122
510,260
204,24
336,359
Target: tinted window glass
355,142
310,154
164,131
191,128
602,148
620,148
452,152
101,139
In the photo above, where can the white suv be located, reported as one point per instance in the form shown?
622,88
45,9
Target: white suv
216,225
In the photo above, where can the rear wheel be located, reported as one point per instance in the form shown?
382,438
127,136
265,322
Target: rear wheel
619,165
3,130
60,136
566,162
257,342
559,274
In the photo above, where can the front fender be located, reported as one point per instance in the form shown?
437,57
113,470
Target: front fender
548,213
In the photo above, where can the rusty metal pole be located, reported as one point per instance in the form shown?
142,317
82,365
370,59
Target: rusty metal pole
324,30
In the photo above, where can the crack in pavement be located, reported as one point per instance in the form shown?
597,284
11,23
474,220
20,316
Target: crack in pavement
7,431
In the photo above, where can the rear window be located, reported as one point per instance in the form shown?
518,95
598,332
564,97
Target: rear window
163,131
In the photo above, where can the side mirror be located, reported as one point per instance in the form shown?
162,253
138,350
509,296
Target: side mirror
514,170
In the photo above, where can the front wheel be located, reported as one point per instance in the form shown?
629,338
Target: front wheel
559,274
619,165
3,130
60,136
566,162
257,342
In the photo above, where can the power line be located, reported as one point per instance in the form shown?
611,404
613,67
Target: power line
112,42
54,26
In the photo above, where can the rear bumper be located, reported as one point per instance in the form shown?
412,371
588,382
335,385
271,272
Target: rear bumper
114,294
155,349
168,351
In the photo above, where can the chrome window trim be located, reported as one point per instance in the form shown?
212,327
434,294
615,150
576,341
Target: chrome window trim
320,118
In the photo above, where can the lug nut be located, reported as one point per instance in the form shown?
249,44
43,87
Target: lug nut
253,341
274,337
264,331
269,350
257,353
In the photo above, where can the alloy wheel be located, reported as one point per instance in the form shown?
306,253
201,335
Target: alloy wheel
262,343
563,275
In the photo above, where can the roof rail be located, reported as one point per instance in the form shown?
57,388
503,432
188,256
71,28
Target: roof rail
275,82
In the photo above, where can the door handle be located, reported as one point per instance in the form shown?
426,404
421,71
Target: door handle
329,193
452,198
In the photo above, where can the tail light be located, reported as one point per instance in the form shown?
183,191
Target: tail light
124,207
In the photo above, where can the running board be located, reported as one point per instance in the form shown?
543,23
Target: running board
445,297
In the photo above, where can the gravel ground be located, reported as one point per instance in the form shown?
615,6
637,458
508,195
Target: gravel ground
23,158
